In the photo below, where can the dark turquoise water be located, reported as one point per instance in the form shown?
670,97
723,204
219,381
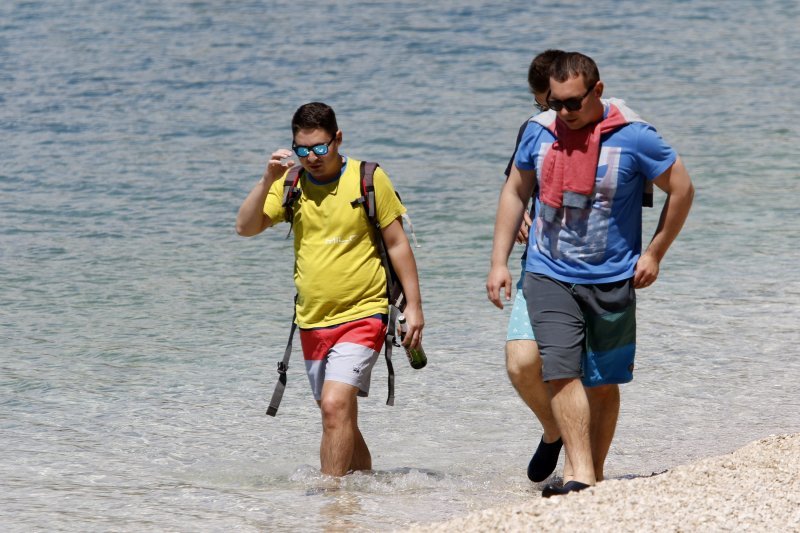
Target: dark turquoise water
139,334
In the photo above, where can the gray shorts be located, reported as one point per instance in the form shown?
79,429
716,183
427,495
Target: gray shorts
586,331
344,352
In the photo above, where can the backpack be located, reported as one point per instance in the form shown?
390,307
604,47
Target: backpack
394,290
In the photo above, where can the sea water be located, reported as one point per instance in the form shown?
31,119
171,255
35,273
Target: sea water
139,335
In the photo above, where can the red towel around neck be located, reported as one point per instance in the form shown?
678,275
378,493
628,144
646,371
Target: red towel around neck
571,164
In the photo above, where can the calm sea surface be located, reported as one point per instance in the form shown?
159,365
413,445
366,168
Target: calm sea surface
139,334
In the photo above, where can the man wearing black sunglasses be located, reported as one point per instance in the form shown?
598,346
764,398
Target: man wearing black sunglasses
341,306
591,162
523,362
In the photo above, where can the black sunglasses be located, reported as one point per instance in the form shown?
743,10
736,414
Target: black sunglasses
572,104
318,149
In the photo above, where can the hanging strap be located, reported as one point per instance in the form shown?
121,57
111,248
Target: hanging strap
389,343
291,192
283,366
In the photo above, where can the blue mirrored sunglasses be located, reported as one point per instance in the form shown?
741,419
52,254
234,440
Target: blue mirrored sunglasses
318,149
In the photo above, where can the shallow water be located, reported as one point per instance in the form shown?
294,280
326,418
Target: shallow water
139,334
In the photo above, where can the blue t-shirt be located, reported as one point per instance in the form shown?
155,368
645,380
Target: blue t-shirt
600,244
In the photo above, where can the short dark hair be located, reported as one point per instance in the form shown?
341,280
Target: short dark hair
571,64
314,115
539,71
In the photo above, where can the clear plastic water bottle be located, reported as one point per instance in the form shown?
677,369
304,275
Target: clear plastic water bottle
416,356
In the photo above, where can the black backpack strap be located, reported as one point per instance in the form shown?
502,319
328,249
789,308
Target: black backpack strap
394,290
389,342
367,199
647,195
368,189
283,366
291,192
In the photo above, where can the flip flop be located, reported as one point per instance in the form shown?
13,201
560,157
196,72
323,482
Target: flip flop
570,486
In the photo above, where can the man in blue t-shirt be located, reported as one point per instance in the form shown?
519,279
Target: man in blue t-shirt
591,161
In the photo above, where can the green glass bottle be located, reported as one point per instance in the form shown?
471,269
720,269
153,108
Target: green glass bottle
416,356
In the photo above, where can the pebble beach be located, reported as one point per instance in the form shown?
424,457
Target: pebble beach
756,488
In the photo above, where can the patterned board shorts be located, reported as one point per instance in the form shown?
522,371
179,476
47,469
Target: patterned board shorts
345,353
586,331
519,323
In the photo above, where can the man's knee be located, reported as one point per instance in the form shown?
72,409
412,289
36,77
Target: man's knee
333,411
522,359
602,393
336,406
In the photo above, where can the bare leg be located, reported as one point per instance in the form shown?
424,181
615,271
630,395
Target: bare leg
524,367
571,411
568,475
604,405
339,427
362,459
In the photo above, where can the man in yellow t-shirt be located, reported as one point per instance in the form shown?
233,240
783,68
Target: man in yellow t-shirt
341,283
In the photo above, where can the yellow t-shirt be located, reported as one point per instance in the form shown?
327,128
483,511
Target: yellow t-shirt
337,271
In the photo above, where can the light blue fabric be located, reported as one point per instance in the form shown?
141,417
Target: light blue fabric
519,323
